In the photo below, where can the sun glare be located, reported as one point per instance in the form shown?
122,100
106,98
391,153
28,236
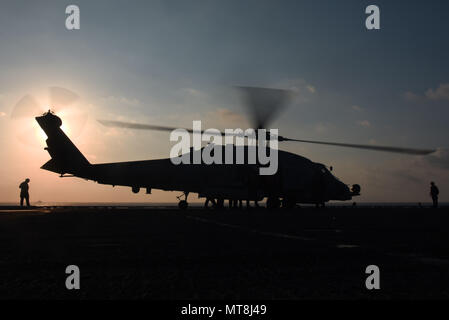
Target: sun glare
66,129
39,133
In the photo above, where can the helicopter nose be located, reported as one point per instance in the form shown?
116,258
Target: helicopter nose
355,190
342,191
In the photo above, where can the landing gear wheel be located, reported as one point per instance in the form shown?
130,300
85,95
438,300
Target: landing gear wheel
183,204
220,203
206,203
273,203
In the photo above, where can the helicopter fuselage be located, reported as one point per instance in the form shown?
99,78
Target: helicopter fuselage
297,178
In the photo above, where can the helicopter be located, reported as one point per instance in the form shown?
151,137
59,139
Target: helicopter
298,180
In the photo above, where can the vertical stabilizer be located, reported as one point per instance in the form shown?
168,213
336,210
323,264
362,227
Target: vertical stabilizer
65,156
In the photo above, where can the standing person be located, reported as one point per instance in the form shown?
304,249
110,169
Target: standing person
24,192
434,194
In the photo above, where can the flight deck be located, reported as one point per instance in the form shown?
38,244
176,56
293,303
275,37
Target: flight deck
166,253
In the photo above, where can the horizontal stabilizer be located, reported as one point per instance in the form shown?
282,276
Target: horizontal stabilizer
51,165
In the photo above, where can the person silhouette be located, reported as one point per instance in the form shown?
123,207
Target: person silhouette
434,194
24,192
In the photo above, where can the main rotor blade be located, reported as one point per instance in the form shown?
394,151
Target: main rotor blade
140,126
26,107
364,146
264,104
61,97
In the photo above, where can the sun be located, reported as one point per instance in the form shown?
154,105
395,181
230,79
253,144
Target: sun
63,114
66,129
40,134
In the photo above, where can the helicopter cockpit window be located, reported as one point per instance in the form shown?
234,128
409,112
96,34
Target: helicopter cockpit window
323,169
327,173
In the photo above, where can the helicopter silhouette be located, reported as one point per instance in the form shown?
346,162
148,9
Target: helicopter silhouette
297,180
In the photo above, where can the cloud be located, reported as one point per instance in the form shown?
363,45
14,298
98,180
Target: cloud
193,92
357,108
364,123
410,96
311,89
438,94
441,93
302,91
321,128
229,115
440,158
2,114
221,118
122,101
300,87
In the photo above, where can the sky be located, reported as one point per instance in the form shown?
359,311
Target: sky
172,62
